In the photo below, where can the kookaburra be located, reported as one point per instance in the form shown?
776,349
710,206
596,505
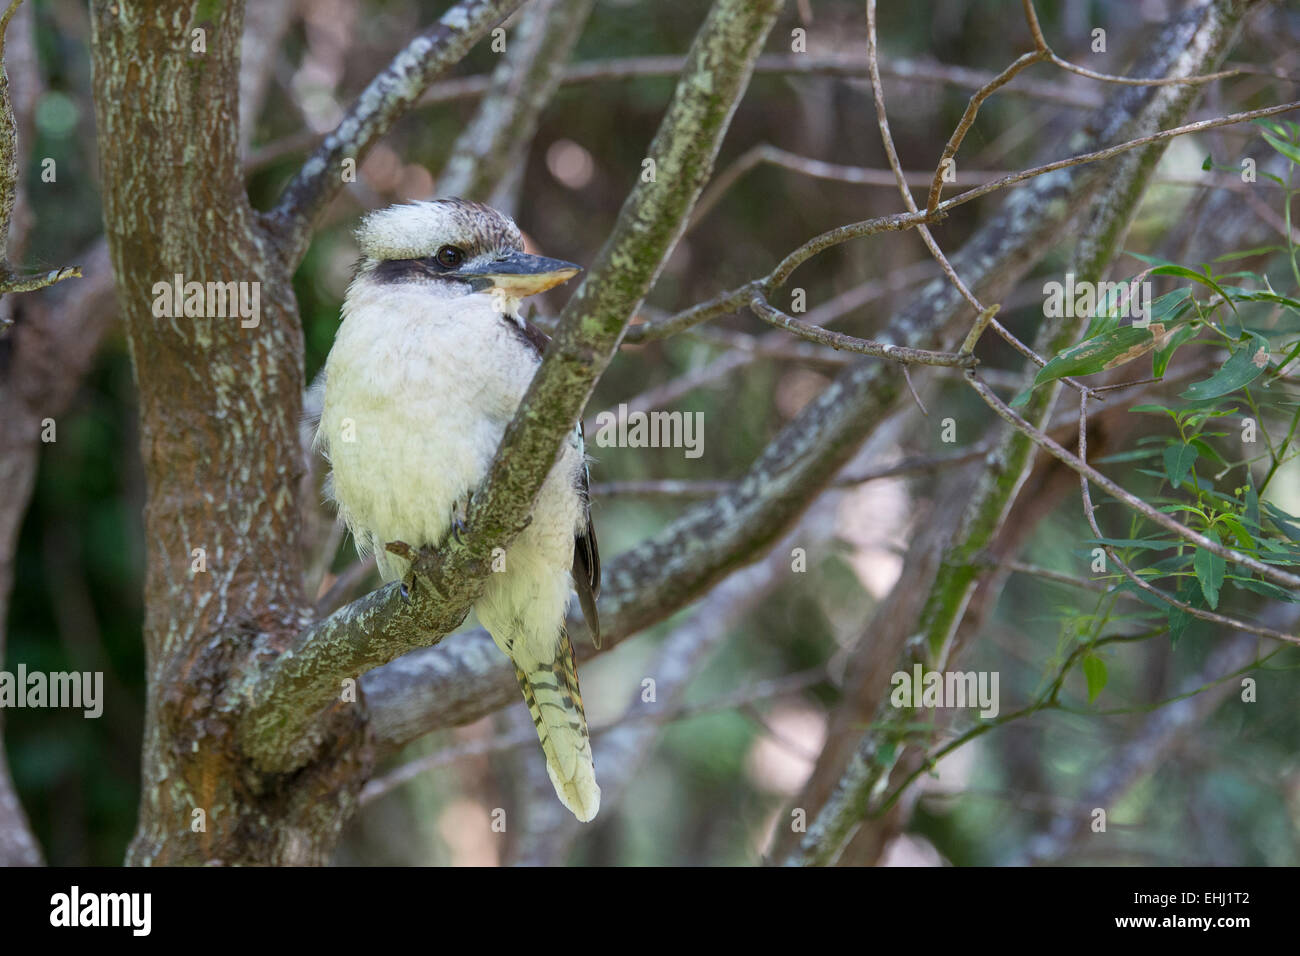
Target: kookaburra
427,369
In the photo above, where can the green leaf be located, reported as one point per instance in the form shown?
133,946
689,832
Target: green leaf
1161,357
1274,127
1208,164
1142,544
1282,520
1260,295
885,755
1247,253
1265,588
1155,408
1138,454
1210,568
1170,306
1289,150
1208,450
1245,538
1094,671
1163,267
1096,354
1178,462
1177,617
1245,365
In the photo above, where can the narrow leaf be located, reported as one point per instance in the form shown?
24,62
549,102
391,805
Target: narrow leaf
1094,671
1178,462
1209,568
1101,352
1245,365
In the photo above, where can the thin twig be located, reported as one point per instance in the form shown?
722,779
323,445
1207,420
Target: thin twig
735,299
818,169
849,343
1112,151
1045,52
968,119
670,488
891,153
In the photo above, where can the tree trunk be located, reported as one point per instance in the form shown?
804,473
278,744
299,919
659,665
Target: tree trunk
219,412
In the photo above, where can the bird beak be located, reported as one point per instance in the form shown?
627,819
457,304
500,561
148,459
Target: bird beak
520,274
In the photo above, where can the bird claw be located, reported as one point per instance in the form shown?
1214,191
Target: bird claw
460,517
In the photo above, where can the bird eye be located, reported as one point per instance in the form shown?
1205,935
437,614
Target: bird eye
449,257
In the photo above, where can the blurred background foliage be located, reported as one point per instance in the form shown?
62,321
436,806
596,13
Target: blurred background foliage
712,789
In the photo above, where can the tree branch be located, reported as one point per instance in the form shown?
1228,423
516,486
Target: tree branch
521,87
838,340
10,185
388,97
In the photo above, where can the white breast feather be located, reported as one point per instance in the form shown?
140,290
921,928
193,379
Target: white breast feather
424,386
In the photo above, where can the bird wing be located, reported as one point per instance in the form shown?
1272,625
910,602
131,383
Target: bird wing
586,554
586,560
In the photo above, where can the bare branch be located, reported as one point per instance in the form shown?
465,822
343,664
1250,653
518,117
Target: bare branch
848,343
878,93
968,119
390,95
521,87
739,297
735,299
1230,120
819,169
1045,52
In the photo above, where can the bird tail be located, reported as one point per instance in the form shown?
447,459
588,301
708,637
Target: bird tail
553,698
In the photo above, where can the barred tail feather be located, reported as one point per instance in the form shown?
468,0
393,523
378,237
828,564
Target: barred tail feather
553,698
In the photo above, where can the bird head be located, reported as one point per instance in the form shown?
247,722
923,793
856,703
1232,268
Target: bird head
465,246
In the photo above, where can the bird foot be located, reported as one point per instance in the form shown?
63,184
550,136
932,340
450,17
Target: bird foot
408,554
460,517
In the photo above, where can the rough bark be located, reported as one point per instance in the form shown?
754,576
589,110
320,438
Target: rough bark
219,410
